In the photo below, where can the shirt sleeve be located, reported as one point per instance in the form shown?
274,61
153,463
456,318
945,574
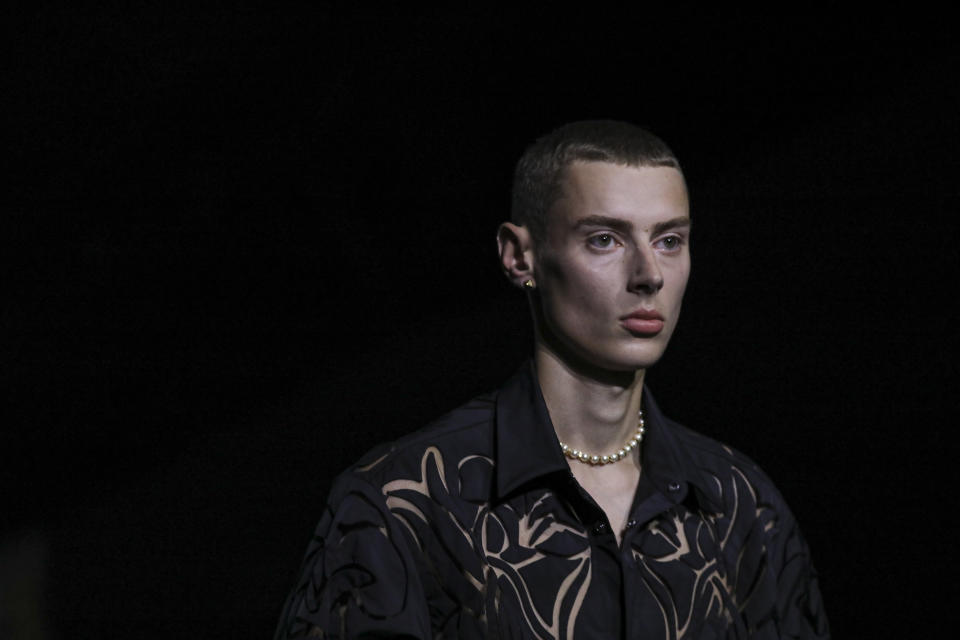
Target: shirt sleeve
786,603
358,578
799,604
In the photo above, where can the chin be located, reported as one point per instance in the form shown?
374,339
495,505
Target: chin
634,364
637,357
624,360
613,354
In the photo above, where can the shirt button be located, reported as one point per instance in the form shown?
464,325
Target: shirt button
631,524
674,486
599,528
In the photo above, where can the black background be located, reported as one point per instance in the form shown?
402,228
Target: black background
244,245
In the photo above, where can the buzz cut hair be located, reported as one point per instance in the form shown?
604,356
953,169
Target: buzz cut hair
538,177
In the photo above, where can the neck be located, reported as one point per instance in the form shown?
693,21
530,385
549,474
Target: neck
592,409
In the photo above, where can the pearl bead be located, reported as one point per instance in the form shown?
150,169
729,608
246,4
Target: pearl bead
585,457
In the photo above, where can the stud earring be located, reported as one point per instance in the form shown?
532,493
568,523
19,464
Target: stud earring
529,284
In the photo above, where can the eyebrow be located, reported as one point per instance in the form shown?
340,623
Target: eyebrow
625,226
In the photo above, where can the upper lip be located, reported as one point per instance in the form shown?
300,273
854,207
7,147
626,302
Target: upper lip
644,314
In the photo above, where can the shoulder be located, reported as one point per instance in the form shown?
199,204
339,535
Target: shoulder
710,453
464,432
756,528
729,477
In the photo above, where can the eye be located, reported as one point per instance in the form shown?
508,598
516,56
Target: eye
670,243
601,241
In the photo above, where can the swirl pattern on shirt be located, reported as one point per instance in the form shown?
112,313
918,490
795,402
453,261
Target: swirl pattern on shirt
509,544
686,559
471,528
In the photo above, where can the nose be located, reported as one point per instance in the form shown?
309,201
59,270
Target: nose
645,274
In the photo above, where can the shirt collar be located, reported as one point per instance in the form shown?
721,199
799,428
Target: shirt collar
667,463
527,447
526,443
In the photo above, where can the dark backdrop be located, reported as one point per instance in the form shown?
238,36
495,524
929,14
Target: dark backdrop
245,245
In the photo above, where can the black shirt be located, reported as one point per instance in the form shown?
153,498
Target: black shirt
474,527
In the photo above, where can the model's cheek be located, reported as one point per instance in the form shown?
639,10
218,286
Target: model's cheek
681,273
572,289
563,307
676,284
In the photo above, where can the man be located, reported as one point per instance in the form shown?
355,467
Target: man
565,505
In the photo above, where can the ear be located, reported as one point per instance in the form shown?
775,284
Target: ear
515,246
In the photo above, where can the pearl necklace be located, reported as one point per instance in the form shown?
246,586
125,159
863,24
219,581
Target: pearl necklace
583,456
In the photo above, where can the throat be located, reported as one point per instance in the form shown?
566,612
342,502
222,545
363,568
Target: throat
590,414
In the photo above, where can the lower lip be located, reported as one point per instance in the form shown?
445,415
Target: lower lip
643,325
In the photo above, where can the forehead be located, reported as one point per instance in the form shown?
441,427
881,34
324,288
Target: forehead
638,194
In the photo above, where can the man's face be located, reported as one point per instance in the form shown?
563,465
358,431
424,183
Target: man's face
614,264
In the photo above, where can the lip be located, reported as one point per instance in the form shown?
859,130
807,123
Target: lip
643,321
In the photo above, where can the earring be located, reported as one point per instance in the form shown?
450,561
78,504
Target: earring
529,284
